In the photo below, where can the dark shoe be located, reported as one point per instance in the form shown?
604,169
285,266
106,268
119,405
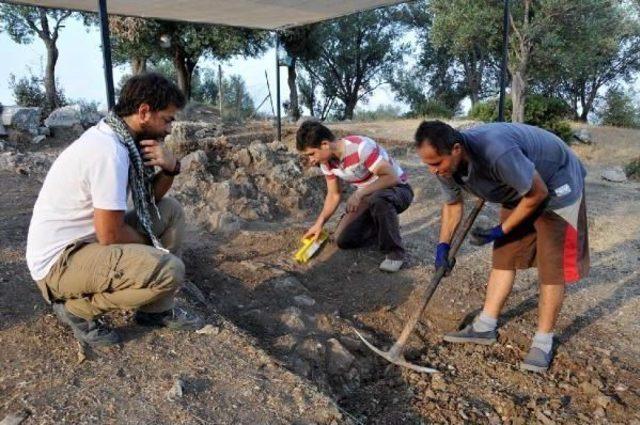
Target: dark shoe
93,332
176,319
537,360
469,335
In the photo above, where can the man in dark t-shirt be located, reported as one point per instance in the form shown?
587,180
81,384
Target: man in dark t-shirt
539,182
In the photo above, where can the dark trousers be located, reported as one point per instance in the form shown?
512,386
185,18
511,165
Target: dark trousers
376,220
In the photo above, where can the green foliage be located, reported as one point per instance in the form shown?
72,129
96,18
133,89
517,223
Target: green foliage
237,104
357,54
632,169
382,112
431,108
619,109
205,86
545,112
29,91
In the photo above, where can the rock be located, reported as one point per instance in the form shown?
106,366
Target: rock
305,118
259,151
15,418
304,300
22,118
589,389
599,412
38,139
285,342
603,401
194,160
209,330
44,131
543,418
69,122
65,116
614,174
621,388
277,146
583,135
292,319
3,146
176,390
311,349
339,359
243,158
438,383
3,131
224,222
288,283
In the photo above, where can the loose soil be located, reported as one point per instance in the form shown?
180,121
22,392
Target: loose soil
286,351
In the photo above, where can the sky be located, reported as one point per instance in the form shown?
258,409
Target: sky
80,68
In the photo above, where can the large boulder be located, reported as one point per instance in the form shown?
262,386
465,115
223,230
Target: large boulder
22,118
69,122
583,135
614,174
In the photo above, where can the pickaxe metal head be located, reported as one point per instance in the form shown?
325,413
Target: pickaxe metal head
395,357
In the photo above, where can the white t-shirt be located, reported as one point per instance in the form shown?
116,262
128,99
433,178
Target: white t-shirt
90,173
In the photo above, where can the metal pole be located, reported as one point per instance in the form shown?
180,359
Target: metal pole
106,52
505,56
220,89
278,86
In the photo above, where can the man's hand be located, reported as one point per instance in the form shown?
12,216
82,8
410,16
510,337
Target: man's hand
442,257
314,231
156,153
481,236
354,201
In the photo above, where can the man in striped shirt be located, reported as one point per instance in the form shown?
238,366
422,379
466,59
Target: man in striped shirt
382,191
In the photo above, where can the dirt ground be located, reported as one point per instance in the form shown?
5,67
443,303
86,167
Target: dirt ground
285,351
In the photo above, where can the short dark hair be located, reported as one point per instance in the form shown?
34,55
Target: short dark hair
439,135
151,88
311,134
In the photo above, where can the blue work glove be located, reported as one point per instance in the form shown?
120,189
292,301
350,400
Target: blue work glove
480,236
442,257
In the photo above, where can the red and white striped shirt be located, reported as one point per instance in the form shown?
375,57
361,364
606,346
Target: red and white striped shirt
361,156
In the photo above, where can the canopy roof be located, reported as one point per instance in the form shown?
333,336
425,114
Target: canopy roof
263,14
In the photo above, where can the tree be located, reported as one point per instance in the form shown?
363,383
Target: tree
605,50
357,54
138,40
299,43
619,109
22,23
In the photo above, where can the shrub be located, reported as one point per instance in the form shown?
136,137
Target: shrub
619,110
632,169
29,91
382,112
545,112
431,109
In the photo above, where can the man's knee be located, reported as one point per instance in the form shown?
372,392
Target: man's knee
170,207
345,242
170,273
380,205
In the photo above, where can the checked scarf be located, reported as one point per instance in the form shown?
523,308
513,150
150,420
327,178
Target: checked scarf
140,178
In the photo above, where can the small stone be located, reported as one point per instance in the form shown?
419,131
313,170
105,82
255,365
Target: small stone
599,412
437,383
589,389
38,139
339,359
311,349
621,388
15,418
176,390
292,319
304,300
614,174
208,329
603,401
543,418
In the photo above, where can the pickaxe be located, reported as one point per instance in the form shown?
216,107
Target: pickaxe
396,353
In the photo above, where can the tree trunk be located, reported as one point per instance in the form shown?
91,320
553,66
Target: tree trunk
349,107
138,65
518,88
50,76
183,73
293,91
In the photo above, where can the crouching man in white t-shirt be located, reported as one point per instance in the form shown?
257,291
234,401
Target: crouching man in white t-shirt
89,255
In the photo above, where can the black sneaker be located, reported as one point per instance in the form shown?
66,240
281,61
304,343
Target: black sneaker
469,335
176,319
93,332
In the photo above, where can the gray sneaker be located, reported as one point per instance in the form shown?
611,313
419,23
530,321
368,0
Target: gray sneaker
467,334
177,319
537,360
93,332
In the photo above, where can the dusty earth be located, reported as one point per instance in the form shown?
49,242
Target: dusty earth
282,347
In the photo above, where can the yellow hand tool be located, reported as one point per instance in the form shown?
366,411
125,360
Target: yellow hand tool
310,247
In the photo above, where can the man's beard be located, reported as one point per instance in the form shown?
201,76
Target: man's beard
146,133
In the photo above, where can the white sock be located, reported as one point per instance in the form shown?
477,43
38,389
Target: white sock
543,341
485,323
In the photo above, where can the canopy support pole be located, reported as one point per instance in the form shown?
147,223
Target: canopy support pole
106,52
279,115
505,57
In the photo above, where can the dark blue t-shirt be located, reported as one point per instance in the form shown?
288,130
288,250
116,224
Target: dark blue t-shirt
503,158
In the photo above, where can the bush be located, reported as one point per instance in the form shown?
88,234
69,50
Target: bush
632,169
619,110
382,112
545,112
29,91
431,109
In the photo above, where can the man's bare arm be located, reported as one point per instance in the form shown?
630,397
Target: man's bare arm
112,229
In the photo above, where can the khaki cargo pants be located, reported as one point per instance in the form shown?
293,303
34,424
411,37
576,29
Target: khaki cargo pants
92,279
